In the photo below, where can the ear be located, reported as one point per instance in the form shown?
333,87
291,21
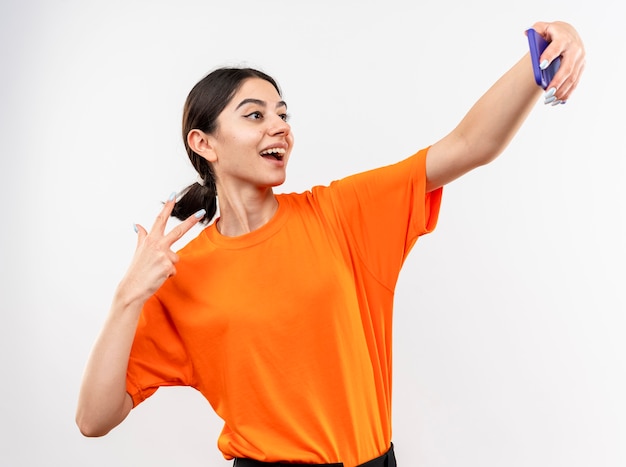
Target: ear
200,143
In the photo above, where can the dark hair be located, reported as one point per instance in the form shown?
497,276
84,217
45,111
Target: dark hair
204,103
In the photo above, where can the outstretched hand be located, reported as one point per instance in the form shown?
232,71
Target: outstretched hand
566,43
154,261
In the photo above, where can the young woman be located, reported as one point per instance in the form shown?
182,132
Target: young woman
280,311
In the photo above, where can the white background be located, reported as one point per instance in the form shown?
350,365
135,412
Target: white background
510,318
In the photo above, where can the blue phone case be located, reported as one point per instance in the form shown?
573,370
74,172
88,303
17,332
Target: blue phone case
537,45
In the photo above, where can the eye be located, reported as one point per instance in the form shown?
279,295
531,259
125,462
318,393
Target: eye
285,117
255,115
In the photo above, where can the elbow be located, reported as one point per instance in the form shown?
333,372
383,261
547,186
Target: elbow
89,427
484,153
482,157
486,158
98,419
90,431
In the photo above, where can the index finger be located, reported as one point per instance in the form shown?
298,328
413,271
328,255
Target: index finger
566,82
181,229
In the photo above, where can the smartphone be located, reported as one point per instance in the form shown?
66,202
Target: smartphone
537,45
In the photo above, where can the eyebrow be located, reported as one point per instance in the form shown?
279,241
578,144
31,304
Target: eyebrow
260,103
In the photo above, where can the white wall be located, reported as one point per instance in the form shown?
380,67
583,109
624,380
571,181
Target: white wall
510,318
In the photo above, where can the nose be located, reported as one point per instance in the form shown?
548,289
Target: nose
279,126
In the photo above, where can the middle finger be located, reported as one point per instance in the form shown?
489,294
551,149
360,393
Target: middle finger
161,220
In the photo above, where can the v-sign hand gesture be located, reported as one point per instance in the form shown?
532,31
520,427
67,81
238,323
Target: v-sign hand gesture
103,401
154,261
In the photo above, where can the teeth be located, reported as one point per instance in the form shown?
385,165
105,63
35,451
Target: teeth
273,151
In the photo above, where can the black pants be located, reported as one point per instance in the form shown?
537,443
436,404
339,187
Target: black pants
386,460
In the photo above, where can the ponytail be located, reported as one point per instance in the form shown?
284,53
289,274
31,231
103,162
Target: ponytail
198,195
193,198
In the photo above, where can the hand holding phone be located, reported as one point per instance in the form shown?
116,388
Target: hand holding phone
537,45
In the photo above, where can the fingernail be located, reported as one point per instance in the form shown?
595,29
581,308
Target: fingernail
172,197
543,65
200,214
557,102
550,100
135,228
550,92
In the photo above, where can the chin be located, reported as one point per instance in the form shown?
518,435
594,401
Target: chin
278,182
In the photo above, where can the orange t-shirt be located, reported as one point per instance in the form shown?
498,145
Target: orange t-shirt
287,330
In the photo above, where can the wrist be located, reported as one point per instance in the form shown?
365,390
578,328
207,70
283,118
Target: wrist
128,297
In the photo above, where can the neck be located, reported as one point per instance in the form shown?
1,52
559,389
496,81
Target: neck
241,213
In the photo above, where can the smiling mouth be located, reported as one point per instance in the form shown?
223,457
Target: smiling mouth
274,153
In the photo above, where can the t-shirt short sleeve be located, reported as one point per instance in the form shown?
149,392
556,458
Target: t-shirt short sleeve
386,210
158,356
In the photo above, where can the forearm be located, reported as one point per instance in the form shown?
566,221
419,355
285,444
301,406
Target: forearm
103,402
487,128
492,122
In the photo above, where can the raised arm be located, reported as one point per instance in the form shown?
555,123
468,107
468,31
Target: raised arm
103,402
493,121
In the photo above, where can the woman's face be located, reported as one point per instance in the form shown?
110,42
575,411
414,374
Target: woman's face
253,140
